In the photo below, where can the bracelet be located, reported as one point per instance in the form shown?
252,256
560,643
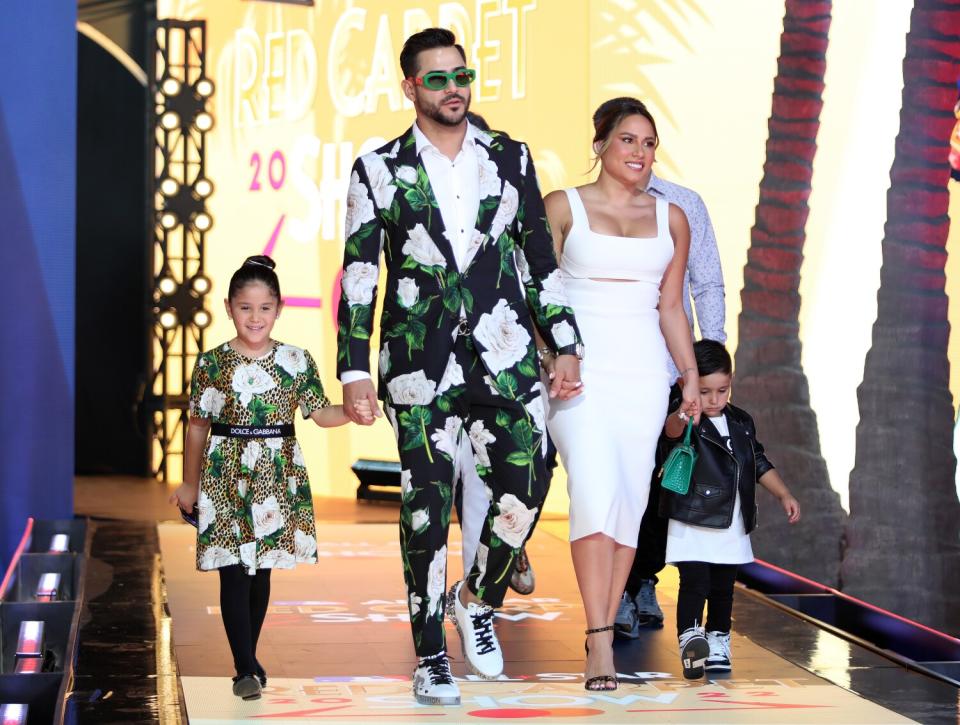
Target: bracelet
683,372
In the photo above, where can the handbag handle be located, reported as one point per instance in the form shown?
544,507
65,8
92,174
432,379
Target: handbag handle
686,436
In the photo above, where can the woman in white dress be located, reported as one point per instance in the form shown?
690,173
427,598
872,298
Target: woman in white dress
623,254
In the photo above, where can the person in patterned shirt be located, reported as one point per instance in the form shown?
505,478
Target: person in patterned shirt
247,482
703,283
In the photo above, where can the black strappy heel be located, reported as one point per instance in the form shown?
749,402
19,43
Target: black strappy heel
591,683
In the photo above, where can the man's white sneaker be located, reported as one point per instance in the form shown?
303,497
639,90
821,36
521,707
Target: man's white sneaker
432,682
719,657
694,650
475,627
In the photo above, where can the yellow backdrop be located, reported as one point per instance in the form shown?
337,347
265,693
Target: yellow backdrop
302,91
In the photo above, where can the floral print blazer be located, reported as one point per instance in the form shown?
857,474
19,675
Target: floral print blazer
509,282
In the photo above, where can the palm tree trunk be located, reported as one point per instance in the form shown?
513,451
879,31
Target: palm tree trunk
903,547
770,383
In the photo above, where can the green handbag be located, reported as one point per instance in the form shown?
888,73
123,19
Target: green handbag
678,468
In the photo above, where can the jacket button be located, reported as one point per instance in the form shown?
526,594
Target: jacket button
707,492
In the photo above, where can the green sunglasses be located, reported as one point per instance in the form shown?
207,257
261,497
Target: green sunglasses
437,80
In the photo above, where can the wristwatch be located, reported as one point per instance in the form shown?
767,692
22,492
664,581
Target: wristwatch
574,349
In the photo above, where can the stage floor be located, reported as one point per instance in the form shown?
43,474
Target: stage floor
336,645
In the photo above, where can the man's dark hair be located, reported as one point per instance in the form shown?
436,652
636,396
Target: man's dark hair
426,40
712,357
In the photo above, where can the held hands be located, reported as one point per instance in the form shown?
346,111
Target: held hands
564,375
185,496
791,508
360,402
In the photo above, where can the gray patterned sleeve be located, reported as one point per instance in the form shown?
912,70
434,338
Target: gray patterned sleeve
706,275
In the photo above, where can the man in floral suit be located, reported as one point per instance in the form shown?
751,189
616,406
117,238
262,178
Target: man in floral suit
458,215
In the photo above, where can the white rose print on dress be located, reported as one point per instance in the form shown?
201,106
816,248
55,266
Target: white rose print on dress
513,522
415,600
274,444
248,556
250,380
412,389
298,456
207,511
385,359
505,340
214,442
242,487
406,477
482,552
267,517
212,401
292,359
216,556
248,459
359,279
305,546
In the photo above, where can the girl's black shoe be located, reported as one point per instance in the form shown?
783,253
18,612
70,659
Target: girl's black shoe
246,687
261,674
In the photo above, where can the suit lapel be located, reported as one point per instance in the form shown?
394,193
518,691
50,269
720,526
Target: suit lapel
489,156
414,185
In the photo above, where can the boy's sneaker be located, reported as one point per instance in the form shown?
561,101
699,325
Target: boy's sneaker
522,580
694,650
475,626
649,613
719,658
433,683
625,624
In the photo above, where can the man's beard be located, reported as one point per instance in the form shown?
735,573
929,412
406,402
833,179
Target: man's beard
435,113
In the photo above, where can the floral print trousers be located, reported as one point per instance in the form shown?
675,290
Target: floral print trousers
508,441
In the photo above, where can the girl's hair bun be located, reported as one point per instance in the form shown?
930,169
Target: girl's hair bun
261,260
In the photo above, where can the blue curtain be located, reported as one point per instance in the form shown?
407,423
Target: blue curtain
38,74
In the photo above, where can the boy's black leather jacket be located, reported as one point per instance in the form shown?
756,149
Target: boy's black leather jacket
710,500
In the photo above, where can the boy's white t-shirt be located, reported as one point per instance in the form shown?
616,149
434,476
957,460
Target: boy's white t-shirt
686,542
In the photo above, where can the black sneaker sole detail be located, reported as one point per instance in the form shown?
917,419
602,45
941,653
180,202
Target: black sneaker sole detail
694,657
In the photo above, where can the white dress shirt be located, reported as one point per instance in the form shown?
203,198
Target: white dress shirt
456,187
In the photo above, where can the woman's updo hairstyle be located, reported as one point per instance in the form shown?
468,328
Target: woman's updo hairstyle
609,115
258,268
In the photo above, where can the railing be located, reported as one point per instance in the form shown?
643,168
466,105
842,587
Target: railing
40,597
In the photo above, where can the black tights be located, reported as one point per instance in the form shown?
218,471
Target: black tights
243,606
711,583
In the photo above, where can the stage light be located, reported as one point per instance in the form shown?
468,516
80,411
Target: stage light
201,318
168,318
202,221
204,88
168,220
167,286
203,121
169,187
203,187
200,284
169,120
170,87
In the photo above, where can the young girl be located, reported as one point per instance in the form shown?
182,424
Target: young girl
709,529
250,485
